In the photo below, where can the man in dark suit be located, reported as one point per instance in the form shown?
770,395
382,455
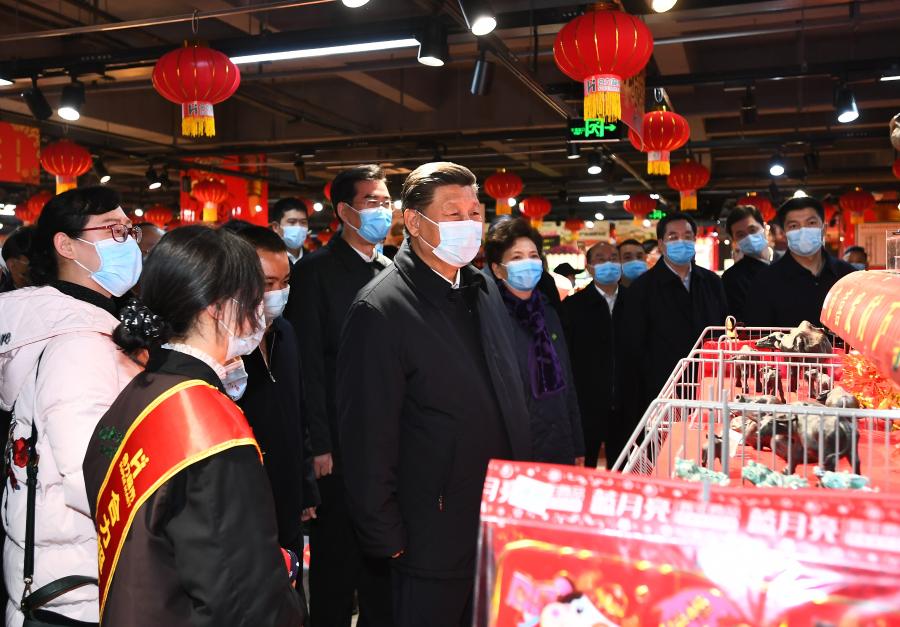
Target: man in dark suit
666,311
747,231
433,392
289,218
325,283
595,336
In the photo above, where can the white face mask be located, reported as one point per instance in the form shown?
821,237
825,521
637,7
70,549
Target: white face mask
235,379
239,345
460,241
274,303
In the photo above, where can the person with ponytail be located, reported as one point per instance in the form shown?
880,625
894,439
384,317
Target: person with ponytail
59,371
185,520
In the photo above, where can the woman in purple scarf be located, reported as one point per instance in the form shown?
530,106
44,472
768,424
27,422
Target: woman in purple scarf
512,256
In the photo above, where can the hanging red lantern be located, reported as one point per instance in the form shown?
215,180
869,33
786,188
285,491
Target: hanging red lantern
327,191
334,225
535,208
574,225
664,131
857,203
640,206
324,236
896,167
501,186
602,48
30,211
158,215
830,210
66,161
686,178
196,77
764,205
211,193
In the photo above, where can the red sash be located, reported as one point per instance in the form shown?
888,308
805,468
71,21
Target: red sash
184,425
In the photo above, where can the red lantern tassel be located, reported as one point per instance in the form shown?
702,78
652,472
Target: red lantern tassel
503,208
658,162
65,183
689,200
210,212
197,119
603,97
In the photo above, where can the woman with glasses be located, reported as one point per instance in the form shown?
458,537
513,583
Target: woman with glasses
186,528
59,371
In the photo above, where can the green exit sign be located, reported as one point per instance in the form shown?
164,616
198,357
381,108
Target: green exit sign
656,214
584,131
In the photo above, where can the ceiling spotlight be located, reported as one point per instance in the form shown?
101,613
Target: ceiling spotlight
776,165
589,224
102,172
71,101
799,194
482,76
748,107
845,105
647,224
153,179
661,6
317,206
6,80
599,216
139,212
398,205
479,17
512,202
37,103
594,164
433,47
354,4
893,75
574,151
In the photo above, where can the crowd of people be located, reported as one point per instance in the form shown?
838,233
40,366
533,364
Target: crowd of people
183,405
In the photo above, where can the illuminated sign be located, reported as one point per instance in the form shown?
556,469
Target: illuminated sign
594,130
656,214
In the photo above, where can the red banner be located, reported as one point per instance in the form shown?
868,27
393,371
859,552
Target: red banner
20,148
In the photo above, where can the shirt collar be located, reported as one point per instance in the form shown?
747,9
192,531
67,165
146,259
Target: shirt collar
364,256
454,283
610,298
686,281
434,286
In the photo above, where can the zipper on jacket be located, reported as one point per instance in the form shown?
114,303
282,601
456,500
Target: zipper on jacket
441,502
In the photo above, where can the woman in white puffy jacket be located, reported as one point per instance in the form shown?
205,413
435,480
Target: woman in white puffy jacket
59,371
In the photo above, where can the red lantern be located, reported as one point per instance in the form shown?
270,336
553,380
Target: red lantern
211,193
830,210
764,205
574,224
158,215
857,203
327,191
602,48
31,210
324,236
67,161
896,167
196,77
640,206
334,225
686,178
664,131
535,208
501,186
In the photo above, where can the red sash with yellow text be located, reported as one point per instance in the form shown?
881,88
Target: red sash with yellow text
184,425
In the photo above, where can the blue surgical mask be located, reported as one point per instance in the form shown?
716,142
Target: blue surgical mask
120,264
805,241
680,251
524,274
754,244
634,269
294,236
374,224
857,265
607,273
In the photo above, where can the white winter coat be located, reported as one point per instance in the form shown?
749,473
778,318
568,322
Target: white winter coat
81,372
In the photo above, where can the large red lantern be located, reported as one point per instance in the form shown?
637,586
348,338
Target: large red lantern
535,208
686,178
764,205
896,167
640,206
66,161
211,193
196,77
501,186
830,210
30,211
664,131
602,48
857,203
158,215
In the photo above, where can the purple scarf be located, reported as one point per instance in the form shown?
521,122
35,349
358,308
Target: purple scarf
544,369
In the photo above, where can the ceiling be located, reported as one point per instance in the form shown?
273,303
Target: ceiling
386,107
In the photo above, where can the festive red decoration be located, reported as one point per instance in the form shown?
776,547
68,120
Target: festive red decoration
862,379
664,131
501,186
574,224
334,225
196,77
211,193
30,211
896,167
535,208
327,191
640,206
158,215
686,178
830,210
763,204
602,48
66,161
324,236
857,203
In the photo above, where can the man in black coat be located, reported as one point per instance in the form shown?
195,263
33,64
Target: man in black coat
747,230
667,309
595,338
433,393
793,289
325,283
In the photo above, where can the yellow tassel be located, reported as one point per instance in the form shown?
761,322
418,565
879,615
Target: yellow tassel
210,212
605,105
658,167
65,183
198,126
503,208
688,201
536,222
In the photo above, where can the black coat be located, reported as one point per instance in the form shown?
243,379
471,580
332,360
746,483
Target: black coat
433,393
737,281
663,321
785,294
271,404
323,286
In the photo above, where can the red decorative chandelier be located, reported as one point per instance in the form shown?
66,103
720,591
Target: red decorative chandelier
501,186
686,178
664,131
640,206
66,161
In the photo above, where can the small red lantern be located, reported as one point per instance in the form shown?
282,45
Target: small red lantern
640,206
664,131
158,215
602,48
501,186
31,210
535,208
857,203
324,236
896,167
327,191
66,161
574,224
764,205
686,178
196,77
211,193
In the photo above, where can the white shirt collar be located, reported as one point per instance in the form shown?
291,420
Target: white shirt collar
294,259
454,283
365,257
686,281
610,299
203,356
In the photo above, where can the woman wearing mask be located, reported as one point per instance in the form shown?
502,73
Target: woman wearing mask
184,515
59,371
512,252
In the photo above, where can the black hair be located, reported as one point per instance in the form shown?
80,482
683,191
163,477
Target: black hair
262,238
343,187
503,235
236,225
630,242
650,245
288,204
18,243
149,225
190,269
674,217
795,204
741,212
421,184
850,249
66,213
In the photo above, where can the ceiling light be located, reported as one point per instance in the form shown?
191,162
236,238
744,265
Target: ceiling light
891,75
153,179
727,242
609,198
139,212
748,107
354,4
574,151
307,53
37,103
661,6
512,202
5,82
10,208
845,106
482,76
599,216
398,205
478,16
71,101
589,224
647,224
799,194
433,49
776,165
317,206
594,164
102,172
654,196
258,208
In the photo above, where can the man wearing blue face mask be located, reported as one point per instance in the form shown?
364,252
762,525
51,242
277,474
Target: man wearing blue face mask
793,289
746,228
857,257
634,261
289,218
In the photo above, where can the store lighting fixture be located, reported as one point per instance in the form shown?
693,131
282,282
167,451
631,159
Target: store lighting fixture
258,208
776,164
595,165
102,172
589,224
5,82
37,103
608,199
398,205
10,208
748,107
479,16
482,76
326,51
727,242
153,179
799,194
71,101
892,74
512,202
317,206
654,196
647,224
433,49
845,105
300,170
573,150
599,216
139,212
661,6
354,4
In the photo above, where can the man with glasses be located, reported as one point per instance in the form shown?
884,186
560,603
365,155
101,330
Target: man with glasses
324,284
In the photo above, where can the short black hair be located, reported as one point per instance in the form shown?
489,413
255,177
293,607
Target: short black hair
18,243
503,235
630,242
649,245
262,238
674,217
850,249
236,225
288,204
150,225
343,188
795,204
66,213
739,213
